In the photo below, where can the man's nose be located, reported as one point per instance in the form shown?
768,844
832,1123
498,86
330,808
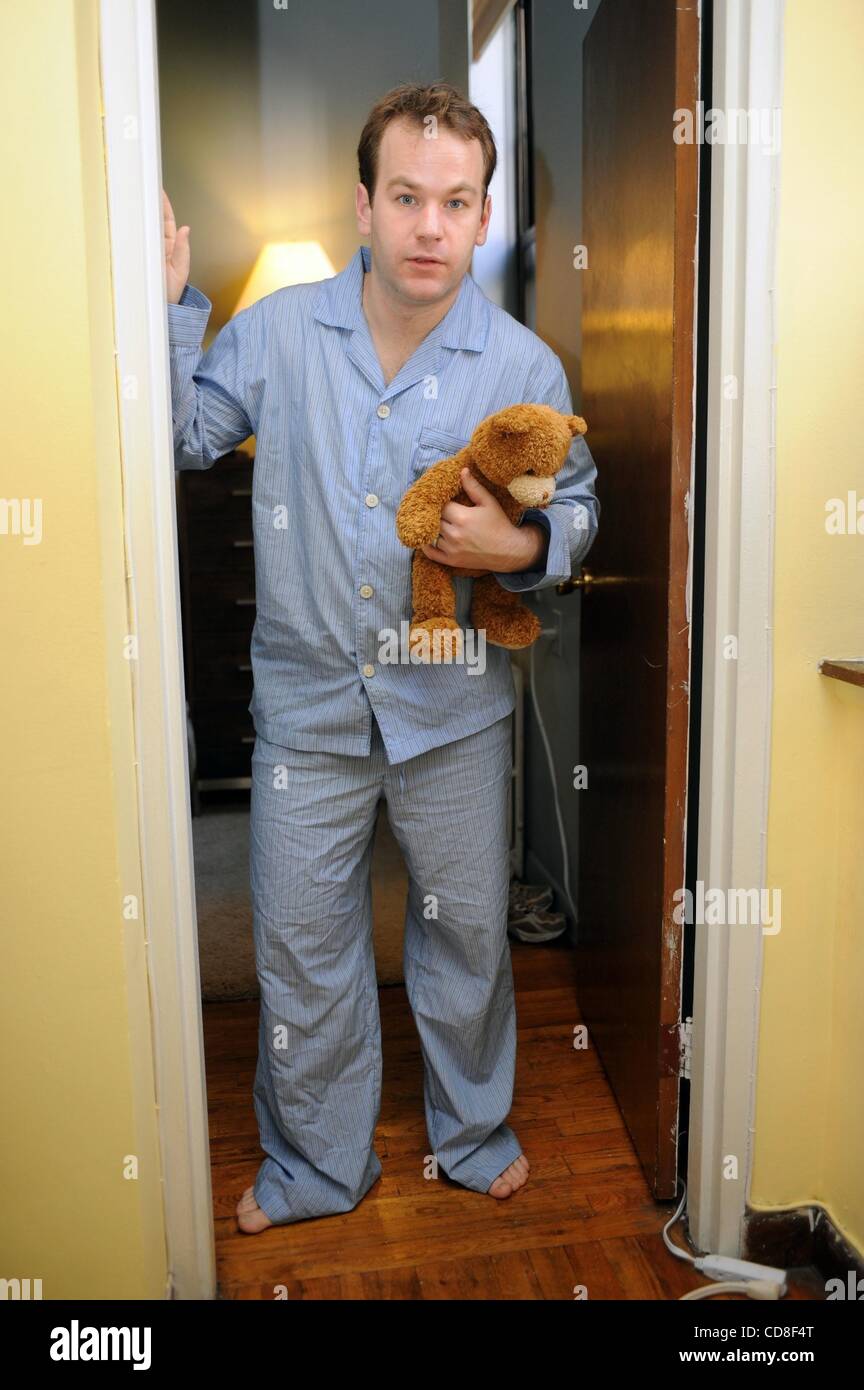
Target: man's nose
430,221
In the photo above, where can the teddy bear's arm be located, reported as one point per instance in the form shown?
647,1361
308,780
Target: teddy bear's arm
418,519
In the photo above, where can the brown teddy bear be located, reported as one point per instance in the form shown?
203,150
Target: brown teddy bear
515,454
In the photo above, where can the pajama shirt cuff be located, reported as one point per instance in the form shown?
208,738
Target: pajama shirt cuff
557,565
188,319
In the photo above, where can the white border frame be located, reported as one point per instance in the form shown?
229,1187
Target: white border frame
736,695
738,598
127,42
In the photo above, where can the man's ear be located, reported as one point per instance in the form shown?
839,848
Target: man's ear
483,229
363,208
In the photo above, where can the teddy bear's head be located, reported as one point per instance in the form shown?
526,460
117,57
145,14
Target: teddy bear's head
523,447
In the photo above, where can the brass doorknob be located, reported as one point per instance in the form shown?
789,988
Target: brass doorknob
587,581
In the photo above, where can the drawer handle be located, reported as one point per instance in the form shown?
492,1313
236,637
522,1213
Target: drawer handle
241,492
241,544
244,602
245,668
248,738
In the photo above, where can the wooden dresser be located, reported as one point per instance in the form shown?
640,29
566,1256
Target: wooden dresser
217,595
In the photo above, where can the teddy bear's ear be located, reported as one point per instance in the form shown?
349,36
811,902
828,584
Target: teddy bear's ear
512,420
577,425
513,424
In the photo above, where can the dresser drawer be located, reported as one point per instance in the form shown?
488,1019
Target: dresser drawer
224,762
218,546
223,666
225,489
224,738
222,602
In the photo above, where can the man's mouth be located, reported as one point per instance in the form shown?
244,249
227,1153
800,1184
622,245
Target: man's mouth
425,260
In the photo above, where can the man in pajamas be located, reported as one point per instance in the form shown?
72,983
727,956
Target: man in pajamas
352,387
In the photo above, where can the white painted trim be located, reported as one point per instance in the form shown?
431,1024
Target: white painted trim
736,695
131,120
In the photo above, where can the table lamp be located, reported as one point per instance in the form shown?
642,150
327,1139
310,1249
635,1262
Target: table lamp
282,263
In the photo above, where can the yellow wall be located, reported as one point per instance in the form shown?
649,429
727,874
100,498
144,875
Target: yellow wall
73,994
809,1139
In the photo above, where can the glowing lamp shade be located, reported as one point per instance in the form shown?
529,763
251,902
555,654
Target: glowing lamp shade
282,263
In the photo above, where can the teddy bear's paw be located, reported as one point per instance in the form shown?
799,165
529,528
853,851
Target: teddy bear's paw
414,532
511,630
436,640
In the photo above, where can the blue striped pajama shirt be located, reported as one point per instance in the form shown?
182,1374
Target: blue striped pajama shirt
336,448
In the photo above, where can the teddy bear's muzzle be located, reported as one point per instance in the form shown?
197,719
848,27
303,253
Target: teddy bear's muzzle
532,491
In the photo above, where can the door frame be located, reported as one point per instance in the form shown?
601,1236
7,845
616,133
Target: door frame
736,696
130,100
735,742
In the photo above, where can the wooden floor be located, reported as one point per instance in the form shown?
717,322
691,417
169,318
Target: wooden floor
585,1216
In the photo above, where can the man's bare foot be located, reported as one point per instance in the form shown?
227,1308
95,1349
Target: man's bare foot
513,1177
250,1217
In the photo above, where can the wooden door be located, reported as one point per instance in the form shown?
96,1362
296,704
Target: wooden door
640,202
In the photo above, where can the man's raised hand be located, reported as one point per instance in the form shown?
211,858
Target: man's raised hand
177,254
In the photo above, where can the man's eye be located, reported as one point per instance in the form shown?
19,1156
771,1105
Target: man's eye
457,200
406,195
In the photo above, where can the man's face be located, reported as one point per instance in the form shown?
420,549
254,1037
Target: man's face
428,213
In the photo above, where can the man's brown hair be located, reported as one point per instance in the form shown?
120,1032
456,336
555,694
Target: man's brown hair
415,102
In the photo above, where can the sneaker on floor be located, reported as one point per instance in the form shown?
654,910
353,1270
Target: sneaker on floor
538,925
528,897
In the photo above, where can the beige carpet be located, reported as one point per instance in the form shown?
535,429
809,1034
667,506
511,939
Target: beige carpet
225,945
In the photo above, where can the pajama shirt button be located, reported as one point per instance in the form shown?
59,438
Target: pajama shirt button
368,669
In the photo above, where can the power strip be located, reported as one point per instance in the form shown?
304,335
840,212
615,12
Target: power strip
724,1267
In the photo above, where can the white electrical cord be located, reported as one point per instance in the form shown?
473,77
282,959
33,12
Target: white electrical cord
670,1244
758,1281
542,727
757,1288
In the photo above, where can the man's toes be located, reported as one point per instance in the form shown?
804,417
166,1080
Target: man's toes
250,1218
517,1172
512,1178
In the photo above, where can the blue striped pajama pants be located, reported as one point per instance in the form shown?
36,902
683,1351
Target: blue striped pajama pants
317,1090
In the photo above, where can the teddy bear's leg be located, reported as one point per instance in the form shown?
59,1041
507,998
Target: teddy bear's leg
503,616
434,634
